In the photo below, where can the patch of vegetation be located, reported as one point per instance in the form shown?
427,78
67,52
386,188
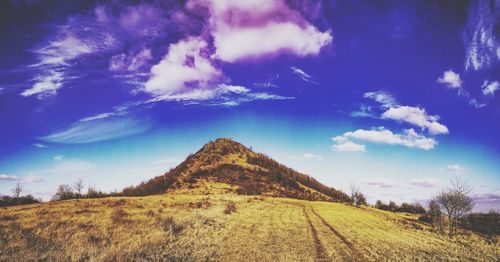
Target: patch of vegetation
230,208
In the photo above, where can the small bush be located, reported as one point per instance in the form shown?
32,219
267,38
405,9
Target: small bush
119,216
169,225
150,213
230,208
204,203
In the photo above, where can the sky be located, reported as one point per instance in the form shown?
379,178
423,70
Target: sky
397,97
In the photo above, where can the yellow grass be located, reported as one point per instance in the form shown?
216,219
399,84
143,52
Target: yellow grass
261,229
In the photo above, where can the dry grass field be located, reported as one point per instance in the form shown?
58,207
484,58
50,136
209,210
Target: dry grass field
190,227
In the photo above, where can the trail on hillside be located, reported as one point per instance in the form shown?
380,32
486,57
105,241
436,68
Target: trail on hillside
320,249
354,251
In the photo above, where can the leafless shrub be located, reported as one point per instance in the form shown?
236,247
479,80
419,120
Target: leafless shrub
119,216
170,226
230,208
456,202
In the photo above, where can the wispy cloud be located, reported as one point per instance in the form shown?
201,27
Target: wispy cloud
425,182
4,177
343,144
39,145
308,156
58,158
32,179
489,88
386,99
454,169
303,75
100,129
381,182
482,48
226,95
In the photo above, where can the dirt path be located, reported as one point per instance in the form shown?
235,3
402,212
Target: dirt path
355,255
320,249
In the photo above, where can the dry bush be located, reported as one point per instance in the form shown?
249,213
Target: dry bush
170,226
230,208
204,203
117,203
8,218
119,216
150,213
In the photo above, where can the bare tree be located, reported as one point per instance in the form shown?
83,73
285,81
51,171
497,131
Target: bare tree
78,186
357,198
456,201
16,191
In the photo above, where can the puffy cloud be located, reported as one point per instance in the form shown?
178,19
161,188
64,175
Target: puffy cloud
4,177
416,116
384,98
344,145
186,64
409,138
303,75
451,79
482,48
238,25
489,88
454,169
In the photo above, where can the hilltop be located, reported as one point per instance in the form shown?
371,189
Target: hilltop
226,166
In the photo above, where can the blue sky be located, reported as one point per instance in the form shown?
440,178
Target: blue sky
396,96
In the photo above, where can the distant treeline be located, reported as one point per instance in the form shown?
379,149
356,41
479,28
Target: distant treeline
414,208
22,200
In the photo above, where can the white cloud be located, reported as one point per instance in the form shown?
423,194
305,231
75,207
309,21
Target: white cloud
226,95
33,179
98,116
454,169
236,44
384,98
185,64
380,182
58,158
344,145
238,25
46,85
303,75
489,88
131,62
98,130
39,145
482,48
425,182
4,177
451,79
307,156
409,138
416,116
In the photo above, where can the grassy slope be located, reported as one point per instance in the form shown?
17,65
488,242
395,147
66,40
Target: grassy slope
267,229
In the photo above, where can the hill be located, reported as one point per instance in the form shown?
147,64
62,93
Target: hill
182,227
235,168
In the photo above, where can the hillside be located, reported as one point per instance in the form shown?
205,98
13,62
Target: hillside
179,227
236,169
